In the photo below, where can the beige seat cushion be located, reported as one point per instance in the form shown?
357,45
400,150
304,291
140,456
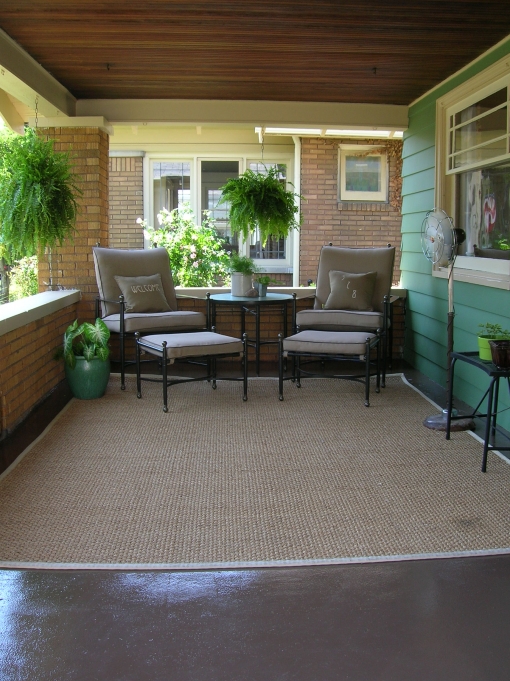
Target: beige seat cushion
200,344
327,342
166,321
339,320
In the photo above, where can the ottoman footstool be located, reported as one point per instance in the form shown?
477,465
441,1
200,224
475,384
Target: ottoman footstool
201,345
313,346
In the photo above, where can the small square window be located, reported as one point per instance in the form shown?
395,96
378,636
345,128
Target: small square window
363,174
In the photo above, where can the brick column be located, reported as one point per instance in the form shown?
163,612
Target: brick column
72,264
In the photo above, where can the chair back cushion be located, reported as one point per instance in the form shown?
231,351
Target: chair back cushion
143,294
356,261
119,262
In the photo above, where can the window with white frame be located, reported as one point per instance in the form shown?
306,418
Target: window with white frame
473,173
363,174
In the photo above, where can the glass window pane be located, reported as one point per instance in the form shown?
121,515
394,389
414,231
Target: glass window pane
485,153
484,210
214,174
484,105
171,183
482,130
363,174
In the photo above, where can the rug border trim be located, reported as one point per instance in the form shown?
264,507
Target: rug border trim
245,565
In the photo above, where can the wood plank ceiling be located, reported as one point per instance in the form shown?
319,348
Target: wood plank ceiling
370,51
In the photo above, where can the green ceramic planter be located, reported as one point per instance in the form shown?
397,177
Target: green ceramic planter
88,380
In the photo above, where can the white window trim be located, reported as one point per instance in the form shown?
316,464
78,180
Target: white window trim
345,196
282,266
481,271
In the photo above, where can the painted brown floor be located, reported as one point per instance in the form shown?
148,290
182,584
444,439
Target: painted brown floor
429,620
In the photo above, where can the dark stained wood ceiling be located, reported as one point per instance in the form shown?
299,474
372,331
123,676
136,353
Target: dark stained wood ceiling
281,50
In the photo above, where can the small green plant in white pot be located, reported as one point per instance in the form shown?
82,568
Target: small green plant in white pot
490,332
87,358
242,270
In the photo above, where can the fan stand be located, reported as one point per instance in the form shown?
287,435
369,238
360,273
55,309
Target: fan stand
438,421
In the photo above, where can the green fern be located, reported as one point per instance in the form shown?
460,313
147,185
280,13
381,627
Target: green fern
260,200
38,206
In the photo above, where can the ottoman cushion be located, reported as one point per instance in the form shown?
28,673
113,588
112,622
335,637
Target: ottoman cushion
328,342
194,344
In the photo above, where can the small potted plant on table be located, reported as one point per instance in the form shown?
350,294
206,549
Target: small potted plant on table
261,283
494,344
242,270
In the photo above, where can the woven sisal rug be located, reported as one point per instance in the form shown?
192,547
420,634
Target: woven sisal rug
315,479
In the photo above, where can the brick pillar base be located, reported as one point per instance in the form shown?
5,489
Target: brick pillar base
72,264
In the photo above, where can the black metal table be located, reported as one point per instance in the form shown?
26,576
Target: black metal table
492,394
251,306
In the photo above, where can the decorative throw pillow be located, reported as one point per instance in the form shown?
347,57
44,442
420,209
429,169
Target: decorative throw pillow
143,294
351,291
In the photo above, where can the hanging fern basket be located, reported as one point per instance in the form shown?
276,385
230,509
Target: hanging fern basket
38,191
260,201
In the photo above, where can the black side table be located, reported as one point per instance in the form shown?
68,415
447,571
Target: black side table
251,306
492,394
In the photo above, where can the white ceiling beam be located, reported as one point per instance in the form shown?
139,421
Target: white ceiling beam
9,114
26,80
256,113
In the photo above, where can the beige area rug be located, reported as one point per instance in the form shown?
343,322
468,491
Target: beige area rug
315,479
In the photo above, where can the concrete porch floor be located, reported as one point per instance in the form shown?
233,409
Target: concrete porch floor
426,620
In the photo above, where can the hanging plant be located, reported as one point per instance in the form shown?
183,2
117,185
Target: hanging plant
260,201
38,192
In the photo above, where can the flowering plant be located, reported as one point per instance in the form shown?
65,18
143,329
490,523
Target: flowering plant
197,254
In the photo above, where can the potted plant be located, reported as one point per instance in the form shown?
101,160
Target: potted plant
38,191
86,355
242,270
491,333
261,283
260,201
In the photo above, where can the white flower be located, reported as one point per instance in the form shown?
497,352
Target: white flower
195,264
160,218
193,256
139,221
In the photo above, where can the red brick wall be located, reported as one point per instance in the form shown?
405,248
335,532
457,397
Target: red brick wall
326,220
126,202
73,265
27,365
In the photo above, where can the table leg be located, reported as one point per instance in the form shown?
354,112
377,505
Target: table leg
488,424
257,340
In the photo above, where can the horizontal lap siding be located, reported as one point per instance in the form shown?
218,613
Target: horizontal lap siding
427,296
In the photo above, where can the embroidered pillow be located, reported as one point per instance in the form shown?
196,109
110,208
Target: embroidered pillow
143,294
351,291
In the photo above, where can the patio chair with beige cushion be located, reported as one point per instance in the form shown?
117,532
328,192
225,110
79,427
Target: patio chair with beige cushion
137,294
352,294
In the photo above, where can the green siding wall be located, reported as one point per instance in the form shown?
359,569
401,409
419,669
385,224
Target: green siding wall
427,302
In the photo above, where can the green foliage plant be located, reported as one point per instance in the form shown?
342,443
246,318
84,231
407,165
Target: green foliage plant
493,331
23,278
85,340
197,254
38,191
265,280
242,264
258,200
